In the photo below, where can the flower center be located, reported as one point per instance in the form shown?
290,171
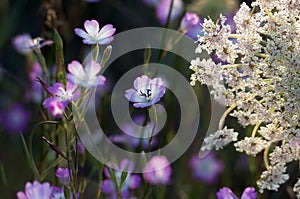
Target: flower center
146,94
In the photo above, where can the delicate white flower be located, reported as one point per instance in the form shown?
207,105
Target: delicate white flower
251,145
219,139
272,178
94,35
87,77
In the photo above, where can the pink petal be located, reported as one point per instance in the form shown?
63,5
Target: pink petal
92,68
107,31
75,68
91,27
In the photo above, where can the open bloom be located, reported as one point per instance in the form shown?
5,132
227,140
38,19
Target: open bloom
36,190
146,91
87,77
24,43
226,193
64,94
158,171
94,35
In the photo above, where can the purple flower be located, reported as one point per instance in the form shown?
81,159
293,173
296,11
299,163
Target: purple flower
189,21
55,107
36,190
226,193
15,119
162,10
146,91
24,43
132,181
94,35
63,94
80,148
158,171
87,77
206,169
63,175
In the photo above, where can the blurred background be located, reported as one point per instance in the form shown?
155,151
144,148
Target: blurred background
20,110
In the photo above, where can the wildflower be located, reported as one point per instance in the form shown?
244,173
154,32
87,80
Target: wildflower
59,193
94,35
206,169
87,77
146,91
219,139
15,119
132,181
226,193
63,175
251,146
54,106
162,10
63,94
158,171
24,43
36,190
189,21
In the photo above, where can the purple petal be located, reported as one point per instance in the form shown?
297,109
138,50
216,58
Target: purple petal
133,96
89,41
128,164
108,186
55,89
81,33
249,193
91,27
76,68
225,193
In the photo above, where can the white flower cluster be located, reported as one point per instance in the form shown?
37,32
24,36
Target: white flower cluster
260,77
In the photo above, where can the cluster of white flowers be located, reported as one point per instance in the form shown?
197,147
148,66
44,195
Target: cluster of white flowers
259,79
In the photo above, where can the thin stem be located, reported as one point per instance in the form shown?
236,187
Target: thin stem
222,120
255,130
266,161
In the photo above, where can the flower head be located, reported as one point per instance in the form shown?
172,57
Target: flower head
146,91
24,43
87,77
94,35
226,193
63,94
189,21
36,190
158,171
63,175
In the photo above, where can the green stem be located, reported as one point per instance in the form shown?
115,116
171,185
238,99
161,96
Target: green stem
255,129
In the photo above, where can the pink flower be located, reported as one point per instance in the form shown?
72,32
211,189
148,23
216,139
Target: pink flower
158,171
94,35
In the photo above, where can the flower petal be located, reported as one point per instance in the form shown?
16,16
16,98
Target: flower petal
104,41
81,33
91,27
226,193
107,31
133,96
249,193
56,88
76,68
107,186
92,69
